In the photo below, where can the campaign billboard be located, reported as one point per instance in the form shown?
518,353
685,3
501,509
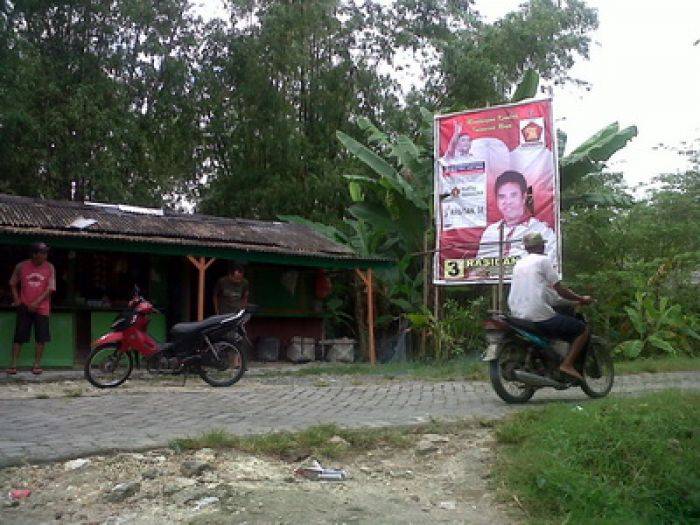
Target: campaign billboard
494,168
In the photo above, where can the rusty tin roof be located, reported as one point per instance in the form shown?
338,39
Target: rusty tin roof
185,233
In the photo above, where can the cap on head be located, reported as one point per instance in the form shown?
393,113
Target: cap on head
40,247
533,240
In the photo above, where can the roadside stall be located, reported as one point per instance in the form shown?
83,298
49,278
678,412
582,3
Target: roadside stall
100,251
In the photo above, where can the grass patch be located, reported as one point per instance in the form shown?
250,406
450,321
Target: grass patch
472,369
464,368
659,364
314,441
629,460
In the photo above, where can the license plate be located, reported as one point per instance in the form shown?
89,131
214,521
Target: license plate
491,352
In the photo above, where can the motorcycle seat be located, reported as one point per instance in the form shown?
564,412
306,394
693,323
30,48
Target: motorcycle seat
526,325
188,329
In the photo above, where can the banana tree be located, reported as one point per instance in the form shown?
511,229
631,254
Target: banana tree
587,162
394,197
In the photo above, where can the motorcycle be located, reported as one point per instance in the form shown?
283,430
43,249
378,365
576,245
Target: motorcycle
211,348
522,360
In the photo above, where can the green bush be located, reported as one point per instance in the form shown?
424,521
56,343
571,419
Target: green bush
633,460
458,332
661,328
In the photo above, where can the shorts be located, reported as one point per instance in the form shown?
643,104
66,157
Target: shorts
562,327
23,326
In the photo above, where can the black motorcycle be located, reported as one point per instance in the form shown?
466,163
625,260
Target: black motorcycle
522,360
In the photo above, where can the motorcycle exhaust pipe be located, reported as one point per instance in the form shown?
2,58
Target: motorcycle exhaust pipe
536,380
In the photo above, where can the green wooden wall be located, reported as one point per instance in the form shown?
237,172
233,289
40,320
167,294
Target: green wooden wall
59,352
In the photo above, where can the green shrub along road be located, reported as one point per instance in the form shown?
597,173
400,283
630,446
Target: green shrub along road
630,460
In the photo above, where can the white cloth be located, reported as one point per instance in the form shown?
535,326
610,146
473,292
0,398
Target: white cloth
516,249
531,290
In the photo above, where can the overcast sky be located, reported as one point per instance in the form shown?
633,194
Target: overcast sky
643,70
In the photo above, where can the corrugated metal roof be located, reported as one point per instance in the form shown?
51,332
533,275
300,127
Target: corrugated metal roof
36,216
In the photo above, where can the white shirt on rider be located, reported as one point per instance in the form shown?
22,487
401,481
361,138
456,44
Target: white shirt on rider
531,288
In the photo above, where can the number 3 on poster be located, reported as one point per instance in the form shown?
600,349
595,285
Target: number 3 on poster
454,268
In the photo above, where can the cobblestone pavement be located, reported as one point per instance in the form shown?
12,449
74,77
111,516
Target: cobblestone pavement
37,430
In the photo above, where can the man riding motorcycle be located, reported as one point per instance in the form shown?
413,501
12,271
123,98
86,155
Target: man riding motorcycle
534,289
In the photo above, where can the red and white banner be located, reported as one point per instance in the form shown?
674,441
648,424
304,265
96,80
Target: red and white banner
494,167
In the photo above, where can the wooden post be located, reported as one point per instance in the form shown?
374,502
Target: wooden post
427,270
370,319
360,317
201,264
368,281
436,314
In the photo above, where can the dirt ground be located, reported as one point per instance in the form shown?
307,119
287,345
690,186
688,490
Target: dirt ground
80,387
448,482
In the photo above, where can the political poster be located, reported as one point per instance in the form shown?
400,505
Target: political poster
495,168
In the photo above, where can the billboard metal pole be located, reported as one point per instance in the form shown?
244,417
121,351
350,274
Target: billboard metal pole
500,267
557,183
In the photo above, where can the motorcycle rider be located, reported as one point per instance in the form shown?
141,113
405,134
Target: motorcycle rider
531,292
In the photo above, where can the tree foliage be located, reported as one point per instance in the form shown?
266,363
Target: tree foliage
641,261
470,63
97,99
292,74
272,121
141,102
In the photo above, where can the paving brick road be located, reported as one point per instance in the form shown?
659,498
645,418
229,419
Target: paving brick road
37,430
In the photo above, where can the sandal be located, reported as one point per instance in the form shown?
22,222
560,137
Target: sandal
11,371
37,370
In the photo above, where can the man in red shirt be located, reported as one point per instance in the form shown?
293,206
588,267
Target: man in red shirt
32,283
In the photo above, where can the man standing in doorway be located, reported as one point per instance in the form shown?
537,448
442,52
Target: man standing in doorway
231,291
32,283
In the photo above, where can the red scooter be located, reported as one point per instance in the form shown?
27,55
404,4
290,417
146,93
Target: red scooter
211,348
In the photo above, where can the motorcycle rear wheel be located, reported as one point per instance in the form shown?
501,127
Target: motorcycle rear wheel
227,369
514,392
107,367
598,370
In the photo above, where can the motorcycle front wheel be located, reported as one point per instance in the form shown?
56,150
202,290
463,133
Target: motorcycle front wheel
511,357
107,367
598,369
223,365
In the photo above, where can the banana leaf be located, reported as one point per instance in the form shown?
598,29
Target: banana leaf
602,134
376,215
369,157
527,87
